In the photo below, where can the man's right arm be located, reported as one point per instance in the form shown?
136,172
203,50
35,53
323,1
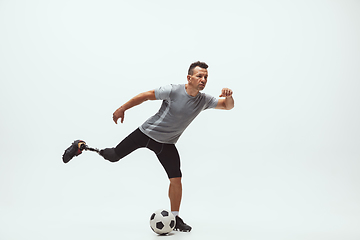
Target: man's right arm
138,99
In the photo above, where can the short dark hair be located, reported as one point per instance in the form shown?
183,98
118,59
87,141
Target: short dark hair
196,64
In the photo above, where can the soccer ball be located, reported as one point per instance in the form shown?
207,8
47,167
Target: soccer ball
162,221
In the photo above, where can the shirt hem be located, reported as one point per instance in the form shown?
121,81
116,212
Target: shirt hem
147,134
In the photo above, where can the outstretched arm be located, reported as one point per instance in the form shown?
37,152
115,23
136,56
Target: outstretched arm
138,99
228,102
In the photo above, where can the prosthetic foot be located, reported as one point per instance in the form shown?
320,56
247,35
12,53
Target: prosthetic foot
181,226
75,149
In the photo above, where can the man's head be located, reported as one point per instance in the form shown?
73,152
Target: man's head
196,64
197,75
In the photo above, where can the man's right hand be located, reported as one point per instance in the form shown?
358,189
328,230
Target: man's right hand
119,113
138,99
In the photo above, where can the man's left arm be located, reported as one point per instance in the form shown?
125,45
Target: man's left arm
226,103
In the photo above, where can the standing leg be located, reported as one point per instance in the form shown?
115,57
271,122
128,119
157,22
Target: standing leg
170,159
175,193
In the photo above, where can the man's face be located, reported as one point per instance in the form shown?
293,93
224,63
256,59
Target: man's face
199,78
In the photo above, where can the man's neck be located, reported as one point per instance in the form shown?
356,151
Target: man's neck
191,91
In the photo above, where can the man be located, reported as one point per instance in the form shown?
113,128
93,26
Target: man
181,104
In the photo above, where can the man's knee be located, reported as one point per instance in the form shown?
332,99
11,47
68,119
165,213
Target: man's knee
176,181
110,154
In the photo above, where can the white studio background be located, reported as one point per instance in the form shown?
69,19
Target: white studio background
283,164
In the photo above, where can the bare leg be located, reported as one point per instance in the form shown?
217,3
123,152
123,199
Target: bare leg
175,193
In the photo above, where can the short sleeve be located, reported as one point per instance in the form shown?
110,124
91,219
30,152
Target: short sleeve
163,93
210,102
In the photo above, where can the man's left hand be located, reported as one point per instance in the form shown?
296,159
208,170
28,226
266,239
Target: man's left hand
226,92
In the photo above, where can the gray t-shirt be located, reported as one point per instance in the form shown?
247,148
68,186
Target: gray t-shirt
177,111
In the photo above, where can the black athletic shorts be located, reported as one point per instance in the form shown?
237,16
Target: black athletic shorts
166,153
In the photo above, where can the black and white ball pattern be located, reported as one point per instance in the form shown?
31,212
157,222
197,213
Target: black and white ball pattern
162,221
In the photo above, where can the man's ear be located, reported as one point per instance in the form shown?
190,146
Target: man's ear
188,77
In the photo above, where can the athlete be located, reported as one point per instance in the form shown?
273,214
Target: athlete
180,105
